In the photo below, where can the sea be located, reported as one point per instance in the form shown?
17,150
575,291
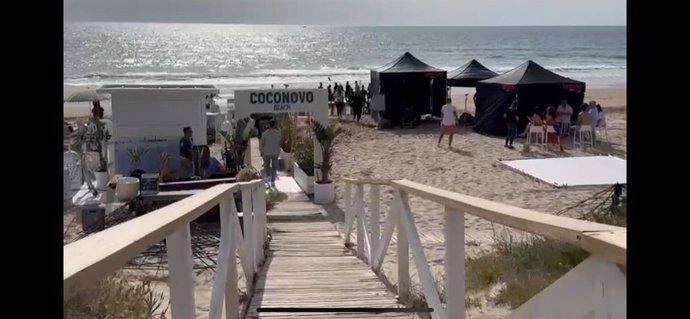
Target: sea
258,56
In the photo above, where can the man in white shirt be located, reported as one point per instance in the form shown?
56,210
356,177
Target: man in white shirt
269,147
564,114
449,116
594,115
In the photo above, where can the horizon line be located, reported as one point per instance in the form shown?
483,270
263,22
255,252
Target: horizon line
354,25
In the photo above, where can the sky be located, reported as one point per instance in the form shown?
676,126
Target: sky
353,12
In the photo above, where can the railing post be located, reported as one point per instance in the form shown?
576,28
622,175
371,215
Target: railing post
374,217
348,212
181,278
428,285
454,240
247,220
259,205
232,297
359,214
388,229
225,281
403,254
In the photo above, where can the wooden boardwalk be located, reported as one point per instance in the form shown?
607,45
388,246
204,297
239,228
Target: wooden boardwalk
308,266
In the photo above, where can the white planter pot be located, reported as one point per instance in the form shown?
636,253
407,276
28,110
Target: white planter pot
304,181
324,193
127,188
287,160
101,180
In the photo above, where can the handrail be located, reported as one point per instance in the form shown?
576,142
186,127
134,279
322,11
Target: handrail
96,256
606,240
570,230
606,243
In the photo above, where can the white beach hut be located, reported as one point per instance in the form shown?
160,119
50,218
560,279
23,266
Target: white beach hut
150,118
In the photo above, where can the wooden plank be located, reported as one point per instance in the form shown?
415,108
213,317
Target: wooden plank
403,252
309,266
559,228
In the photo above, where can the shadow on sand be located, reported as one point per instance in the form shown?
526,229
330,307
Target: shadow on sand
461,152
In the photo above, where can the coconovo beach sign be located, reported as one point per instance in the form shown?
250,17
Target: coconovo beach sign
277,100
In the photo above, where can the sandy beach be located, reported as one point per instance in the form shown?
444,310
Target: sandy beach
470,168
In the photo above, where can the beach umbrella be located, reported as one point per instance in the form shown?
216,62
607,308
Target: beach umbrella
86,96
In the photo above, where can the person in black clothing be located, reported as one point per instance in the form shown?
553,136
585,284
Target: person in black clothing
365,102
348,89
330,93
511,119
187,152
320,85
356,102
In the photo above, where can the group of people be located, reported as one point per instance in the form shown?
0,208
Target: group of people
358,98
556,121
195,163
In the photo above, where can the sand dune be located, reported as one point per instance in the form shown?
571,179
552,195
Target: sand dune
468,168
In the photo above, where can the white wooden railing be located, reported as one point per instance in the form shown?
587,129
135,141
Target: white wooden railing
594,289
91,259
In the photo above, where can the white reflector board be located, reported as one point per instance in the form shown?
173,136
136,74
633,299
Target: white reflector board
573,171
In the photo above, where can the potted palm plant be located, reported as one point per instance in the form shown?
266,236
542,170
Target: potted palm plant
287,131
237,143
304,164
324,188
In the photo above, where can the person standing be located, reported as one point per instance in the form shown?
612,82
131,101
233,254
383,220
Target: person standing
356,103
564,114
594,118
187,152
339,101
269,147
330,93
348,89
449,116
511,118
365,102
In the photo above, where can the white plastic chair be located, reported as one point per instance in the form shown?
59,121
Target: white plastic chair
602,131
538,131
582,132
551,129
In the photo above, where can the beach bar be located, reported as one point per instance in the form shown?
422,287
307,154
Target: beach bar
150,119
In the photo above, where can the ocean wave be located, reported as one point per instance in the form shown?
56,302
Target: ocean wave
568,68
275,73
292,73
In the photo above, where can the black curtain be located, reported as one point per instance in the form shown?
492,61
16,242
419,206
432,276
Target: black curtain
492,102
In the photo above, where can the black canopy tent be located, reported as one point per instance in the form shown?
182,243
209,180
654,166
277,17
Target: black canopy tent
533,86
408,82
469,74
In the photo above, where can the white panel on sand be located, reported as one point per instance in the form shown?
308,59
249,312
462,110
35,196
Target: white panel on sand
574,171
